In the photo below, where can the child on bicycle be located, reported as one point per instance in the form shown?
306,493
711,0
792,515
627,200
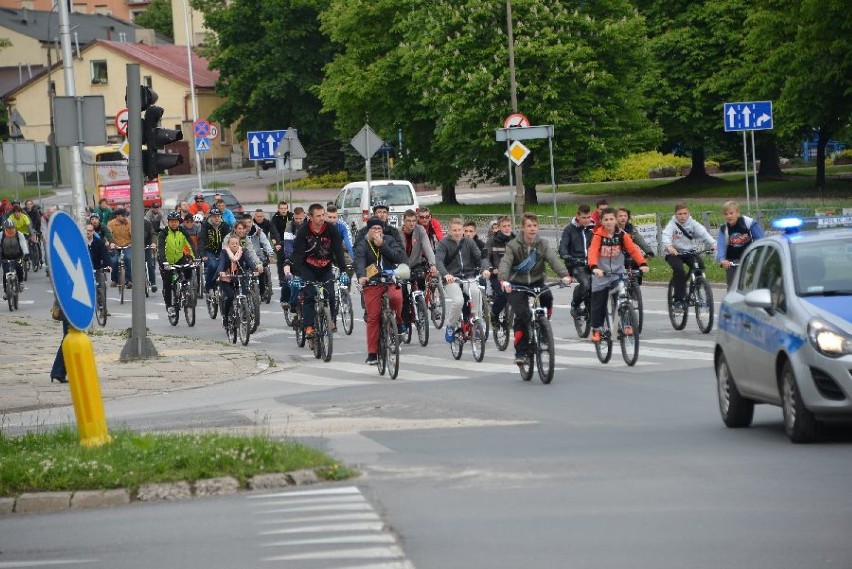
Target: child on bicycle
523,264
606,259
677,242
737,233
458,258
232,261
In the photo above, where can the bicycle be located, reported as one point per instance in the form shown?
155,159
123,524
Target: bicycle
436,301
198,277
620,305
469,329
36,252
634,291
583,317
541,350
344,303
266,297
214,300
486,306
150,285
699,296
388,354
254,302
13,287
183,295
122,273
239,319
418,315
101,311
322,343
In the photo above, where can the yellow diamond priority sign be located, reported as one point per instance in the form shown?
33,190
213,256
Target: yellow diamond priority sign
518,152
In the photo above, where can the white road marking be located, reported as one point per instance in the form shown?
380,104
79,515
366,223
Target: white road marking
365,526
358,538
366,553
322,492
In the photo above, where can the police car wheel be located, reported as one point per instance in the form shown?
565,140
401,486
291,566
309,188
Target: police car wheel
799,423
737,411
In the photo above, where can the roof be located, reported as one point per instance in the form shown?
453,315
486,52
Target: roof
11,77
44,26
170,60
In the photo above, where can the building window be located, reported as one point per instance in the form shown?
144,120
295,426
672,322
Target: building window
99,73
148,81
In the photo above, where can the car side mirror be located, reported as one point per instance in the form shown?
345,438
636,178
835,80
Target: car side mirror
760,298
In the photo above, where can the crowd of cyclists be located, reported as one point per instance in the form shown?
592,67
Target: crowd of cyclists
316,246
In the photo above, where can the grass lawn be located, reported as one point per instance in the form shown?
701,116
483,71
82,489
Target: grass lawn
24,193
55,460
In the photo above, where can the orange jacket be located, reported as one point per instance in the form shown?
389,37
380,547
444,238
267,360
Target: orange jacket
194,208
606,250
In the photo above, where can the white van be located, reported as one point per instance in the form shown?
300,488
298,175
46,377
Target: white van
355,202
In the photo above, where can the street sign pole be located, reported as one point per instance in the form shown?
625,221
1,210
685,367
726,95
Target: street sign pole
754,171
745,163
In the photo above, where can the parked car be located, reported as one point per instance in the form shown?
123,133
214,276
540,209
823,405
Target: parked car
785,329
231,202
355,202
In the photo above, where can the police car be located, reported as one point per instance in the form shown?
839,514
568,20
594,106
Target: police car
785,328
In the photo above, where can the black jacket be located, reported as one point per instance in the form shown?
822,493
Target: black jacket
99,253
387,229
210,238
496,248
317,250
574,245
391,253
279,225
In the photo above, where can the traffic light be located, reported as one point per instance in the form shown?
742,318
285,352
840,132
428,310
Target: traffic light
155,137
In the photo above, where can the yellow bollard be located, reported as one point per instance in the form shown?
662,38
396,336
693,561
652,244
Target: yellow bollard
85,389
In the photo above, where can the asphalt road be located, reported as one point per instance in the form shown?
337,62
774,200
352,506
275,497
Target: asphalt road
467,466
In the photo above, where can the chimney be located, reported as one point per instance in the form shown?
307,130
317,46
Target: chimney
27,5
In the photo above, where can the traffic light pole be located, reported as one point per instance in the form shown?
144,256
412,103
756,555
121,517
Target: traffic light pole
138,346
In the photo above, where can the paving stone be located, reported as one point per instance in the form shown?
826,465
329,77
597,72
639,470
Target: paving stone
269,481
303,477
33,502
7,506
99,498
168,492
216,486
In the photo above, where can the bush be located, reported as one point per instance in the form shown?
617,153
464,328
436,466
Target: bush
637,167
842,157
323,181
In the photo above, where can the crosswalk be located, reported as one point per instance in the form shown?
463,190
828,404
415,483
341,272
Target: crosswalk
326,527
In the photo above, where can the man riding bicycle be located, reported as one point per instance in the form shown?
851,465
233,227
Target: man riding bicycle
677,242
174,248
573,250
523,264
374,255
495,249
418,251
457,258
13,248
210,241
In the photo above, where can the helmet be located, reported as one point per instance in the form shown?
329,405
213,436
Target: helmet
174,215
403,271
8,224
199,217
380,204
199,196
215,211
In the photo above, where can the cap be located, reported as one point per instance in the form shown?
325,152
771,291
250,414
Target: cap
373,221
188,217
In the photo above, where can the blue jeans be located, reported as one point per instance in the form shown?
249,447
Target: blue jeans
210,266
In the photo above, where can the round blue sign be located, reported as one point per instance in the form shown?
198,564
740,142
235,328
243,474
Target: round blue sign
71,270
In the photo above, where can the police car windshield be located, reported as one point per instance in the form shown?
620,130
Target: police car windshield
823,268
392,195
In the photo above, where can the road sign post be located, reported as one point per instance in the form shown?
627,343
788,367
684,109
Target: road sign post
74,285
748,116
517,152
367,142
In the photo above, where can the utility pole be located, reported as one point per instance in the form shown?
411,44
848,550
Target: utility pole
513,92
77,193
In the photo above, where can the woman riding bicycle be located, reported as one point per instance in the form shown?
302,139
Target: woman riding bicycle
606,259
232,261
523,264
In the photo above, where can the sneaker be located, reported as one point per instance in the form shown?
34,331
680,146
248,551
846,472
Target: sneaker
627,330
402,328
153,288
520,357
113,284
5,297
596,336
129,285
678,305
285,306
334,327
449,334
309,332
171,311
372,359
292,309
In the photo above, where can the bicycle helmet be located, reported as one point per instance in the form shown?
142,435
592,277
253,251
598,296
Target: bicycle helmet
380,204
8,224
174,215
198,217
215,211
199,197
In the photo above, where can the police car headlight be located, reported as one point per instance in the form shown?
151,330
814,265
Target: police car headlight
828,340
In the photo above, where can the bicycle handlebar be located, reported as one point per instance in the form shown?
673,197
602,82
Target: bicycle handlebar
537,290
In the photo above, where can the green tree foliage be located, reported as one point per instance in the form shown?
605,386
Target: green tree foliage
158,17
270,55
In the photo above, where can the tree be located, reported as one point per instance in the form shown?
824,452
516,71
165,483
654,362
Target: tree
158,17
270,55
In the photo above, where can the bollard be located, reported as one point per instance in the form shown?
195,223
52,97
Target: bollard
85,389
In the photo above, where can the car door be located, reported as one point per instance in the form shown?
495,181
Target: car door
734,331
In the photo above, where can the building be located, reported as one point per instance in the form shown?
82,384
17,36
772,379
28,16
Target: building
122,9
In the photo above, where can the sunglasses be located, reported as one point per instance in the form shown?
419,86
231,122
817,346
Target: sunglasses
424,216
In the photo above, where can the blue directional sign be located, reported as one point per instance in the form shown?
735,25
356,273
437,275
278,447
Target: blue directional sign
202,145
756,115
71,270
262,143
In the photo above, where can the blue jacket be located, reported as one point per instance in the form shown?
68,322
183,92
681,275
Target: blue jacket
228,217
343,228
722,240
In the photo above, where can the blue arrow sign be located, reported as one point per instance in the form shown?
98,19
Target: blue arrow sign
71,270
756,115
262,143
202,145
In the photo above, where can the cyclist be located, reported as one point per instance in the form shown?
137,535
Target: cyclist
241,231
227,215
418,251
470,233
279,221
297,222
573,249
735,235
155,216
102,230
192,229
523,264
495,249
374,255
33,211
103,211
431,225
677,242
150,244
119,226
210,240
622,218
232,260
333,217
21,220
600,205
98,250
380,211
266,225
198,205
606,259
173,248
458,257
316,247
13,248
262,248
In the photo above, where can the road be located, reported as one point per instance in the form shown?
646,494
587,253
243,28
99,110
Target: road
467,466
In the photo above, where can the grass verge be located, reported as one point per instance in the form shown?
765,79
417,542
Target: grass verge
55,461
24,193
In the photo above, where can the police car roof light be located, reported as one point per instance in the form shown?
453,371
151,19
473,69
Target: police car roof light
788,224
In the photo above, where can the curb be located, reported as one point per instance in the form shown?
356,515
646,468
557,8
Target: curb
51,502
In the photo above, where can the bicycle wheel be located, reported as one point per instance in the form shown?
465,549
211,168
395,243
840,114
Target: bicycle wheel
254,306
10,286
628,318
121,284
604,347
213,303
676,316
26,265
243,324
315,344
545,351
35,256
703,305
325,336
300,329
101,302
267,291
174,315
486,315
410,332
583,320
457,345
503,329
391,347
347,317
189,305
16,294
635,294
231,330
526,369
477,339
382,355
437,306
421,321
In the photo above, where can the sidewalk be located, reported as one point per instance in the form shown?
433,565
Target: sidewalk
28,346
